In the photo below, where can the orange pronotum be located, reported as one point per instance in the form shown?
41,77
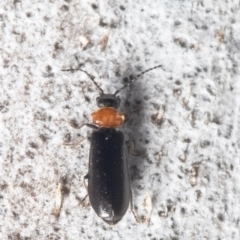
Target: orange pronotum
107,117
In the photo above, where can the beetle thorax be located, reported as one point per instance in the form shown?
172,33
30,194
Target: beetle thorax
107,117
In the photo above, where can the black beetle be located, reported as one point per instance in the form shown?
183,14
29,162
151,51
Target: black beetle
109,187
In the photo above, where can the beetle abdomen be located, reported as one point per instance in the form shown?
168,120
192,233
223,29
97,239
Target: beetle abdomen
108,183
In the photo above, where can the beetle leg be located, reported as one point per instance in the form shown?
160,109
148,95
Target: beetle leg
132,208
133,152
74,125
82,202
77,143
84,181
74,144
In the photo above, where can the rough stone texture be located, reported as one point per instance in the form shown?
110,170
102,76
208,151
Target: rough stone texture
188,184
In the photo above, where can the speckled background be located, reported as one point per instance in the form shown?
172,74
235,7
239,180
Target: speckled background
188,184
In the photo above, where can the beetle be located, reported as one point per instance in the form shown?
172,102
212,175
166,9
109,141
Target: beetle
108,178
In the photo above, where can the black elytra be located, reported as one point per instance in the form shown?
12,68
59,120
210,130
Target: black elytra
109,187
108,177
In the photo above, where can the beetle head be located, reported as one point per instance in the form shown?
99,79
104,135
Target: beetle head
108,100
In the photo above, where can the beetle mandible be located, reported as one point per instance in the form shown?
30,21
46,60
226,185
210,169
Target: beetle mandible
108,178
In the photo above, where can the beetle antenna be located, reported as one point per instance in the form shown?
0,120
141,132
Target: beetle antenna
135,78
89,75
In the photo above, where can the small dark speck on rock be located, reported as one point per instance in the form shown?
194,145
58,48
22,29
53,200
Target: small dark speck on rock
210,198
33,145
126,80
64,8
16,216
205,69
228,131
216,120
67,137
74,123
48,68
102,23
66,190
122,8
205,144
28,14
6,63
198,194
183,211
113,25
117,74
56,229
177,92
2,187
94,6
16,1
204,27
177,23
30,154
131,77
87,98
64,180
209,89
181,42
178,82
198,69
43,137
149,161
220,217
57,46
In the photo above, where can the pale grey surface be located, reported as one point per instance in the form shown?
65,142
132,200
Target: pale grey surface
196,196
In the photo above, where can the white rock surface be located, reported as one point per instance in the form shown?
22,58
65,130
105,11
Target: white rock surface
188,184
